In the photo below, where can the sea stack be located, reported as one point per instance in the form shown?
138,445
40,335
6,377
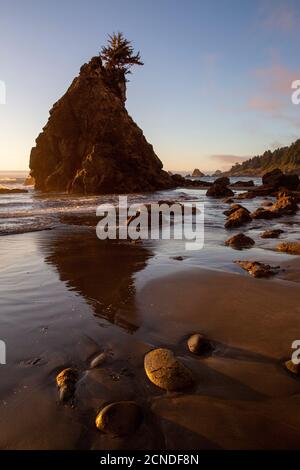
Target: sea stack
90,144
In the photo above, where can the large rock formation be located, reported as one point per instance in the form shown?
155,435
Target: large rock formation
90,143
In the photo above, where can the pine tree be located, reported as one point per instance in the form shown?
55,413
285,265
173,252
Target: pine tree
119,55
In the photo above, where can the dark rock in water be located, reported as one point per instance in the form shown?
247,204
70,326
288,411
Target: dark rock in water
233,208
276,179
220,188
286,204
119,419
223,181
292,248
240,241
243,184
262,213
237,218
198,344
197,173
165,371
272,233
91,145
257,269
66,382
4,190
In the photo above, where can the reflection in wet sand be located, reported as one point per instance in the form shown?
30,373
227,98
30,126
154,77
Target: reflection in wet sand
100,271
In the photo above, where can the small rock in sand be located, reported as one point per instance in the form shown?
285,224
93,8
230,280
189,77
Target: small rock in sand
120,418
240,241
292,248
66,382
237,218
98,360
166,371
197,343
257,269
292,367
271,233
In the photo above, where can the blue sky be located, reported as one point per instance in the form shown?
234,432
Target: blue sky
216,84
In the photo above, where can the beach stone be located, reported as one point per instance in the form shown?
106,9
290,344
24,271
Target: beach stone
120,418
98,360
197,343
271,233
233,208
292,248
286,204
292,367
262,213
66,382
257,269
164,370
237,218
240,241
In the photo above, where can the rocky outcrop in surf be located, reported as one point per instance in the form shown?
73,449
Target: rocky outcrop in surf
90,143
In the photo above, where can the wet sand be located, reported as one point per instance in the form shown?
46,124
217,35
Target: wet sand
65,297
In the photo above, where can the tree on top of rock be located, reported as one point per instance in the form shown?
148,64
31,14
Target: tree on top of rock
119,54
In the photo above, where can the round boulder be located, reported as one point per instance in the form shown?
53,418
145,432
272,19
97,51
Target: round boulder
197,344
164,370
292,367
119,418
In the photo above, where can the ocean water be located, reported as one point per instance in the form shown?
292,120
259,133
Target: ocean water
20,213
36,211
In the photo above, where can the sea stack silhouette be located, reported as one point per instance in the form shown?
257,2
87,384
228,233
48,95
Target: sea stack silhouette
90,144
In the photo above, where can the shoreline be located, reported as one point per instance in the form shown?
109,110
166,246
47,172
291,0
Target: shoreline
60,281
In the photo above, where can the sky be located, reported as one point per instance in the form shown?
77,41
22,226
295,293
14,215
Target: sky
215,87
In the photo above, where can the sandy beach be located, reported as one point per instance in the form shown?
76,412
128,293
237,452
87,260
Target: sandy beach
65,297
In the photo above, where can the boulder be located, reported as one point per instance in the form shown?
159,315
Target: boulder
164,370
276,179
286,204
240,241
272,233
120,418
66,382
219,188
257,269
243,184
91,145
292,367
197,173
262,213
292,248
5,190
233,208
237,218
197,344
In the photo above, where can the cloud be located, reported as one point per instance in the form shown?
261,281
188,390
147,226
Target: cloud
226,161
273,92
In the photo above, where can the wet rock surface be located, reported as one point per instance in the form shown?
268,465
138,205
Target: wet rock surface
257,269
119,419
165,371
240,241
